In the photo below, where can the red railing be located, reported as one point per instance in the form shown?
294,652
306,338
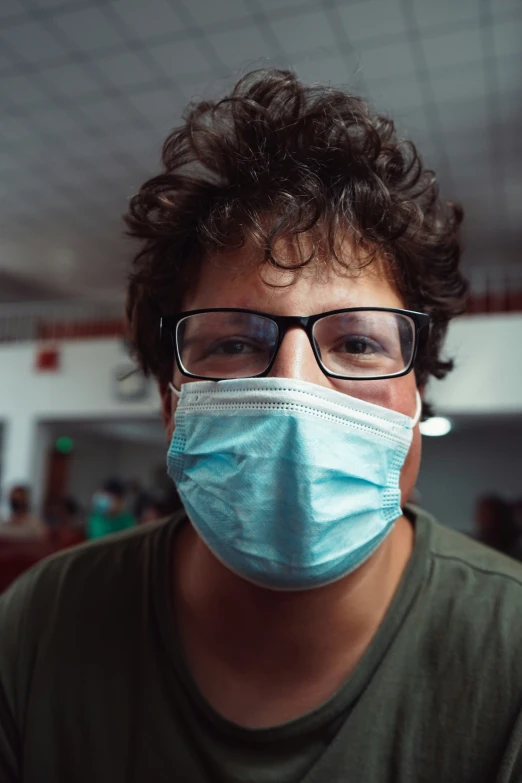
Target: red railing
495,289
490,293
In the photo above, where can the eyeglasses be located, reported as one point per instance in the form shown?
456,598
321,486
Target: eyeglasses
357,343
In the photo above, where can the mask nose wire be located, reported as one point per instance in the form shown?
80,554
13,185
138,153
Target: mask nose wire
416,418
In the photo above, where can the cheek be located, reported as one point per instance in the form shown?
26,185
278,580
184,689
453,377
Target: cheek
399,394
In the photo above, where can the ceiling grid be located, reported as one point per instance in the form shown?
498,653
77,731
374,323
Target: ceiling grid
90,88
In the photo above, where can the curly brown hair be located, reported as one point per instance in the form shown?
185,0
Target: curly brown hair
275,159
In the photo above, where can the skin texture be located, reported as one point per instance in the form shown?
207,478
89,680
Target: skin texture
263,657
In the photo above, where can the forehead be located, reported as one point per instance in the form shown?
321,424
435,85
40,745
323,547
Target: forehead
242,279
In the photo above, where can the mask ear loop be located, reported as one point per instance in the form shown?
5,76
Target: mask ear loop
418,410
178,393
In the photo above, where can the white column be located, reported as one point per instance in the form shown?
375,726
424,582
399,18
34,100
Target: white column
23,456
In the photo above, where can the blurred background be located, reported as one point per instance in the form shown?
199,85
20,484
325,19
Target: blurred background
88,91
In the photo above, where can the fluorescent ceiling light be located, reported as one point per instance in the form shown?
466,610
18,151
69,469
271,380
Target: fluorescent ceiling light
436,426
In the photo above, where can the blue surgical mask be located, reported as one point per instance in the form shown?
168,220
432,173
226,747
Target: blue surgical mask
101,503
290,485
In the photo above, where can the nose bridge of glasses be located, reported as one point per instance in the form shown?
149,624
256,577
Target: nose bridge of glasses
295,356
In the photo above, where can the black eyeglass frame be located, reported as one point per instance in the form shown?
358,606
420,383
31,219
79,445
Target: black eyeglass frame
169,325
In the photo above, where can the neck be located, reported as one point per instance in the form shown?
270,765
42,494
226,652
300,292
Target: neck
304,642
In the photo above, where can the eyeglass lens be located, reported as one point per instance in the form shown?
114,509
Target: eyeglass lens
354,344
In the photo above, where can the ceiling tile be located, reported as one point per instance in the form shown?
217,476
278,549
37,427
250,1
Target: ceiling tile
87,29
508,71
394,61
465,82
106,113
303,32
124,70
413,124
332,69
453,49
55,5
513,188
397,97
157,104
511,112
241,49
507,37
178,59
33,43
84,146
12,8
15,130
206,13
6,65
138,142
372,20
502,6
469,145
58,122
196,87
445,12
70,81
275,5
21,91
462,114
147,19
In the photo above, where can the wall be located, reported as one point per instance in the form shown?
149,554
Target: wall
143,461
83,388
97,458
486,382
487,378
475,459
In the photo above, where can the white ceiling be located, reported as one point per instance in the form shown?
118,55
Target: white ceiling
90,88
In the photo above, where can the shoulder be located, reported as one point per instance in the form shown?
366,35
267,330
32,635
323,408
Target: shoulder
93,564
471,597
90,588
470,606
456,553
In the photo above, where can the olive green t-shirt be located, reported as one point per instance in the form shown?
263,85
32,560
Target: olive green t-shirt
94,688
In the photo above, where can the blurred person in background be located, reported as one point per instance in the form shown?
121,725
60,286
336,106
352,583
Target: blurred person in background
299,620
496,525
152,510
137,497
22,524
109,513
68,528
517,515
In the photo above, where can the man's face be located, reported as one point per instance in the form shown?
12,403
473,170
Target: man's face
230,282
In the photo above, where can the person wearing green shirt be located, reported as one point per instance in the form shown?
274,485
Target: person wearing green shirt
108,514
298,621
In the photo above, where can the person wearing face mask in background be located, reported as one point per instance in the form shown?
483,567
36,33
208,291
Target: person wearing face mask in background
299,621
22,524
108,511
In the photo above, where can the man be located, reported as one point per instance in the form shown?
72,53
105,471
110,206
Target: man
108,514
300,622
22,524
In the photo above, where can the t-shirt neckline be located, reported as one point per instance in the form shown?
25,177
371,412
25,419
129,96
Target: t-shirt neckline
415,573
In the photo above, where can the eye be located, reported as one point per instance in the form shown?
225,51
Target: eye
233,346
358,344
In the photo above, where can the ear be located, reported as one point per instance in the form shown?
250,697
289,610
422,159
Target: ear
168,408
